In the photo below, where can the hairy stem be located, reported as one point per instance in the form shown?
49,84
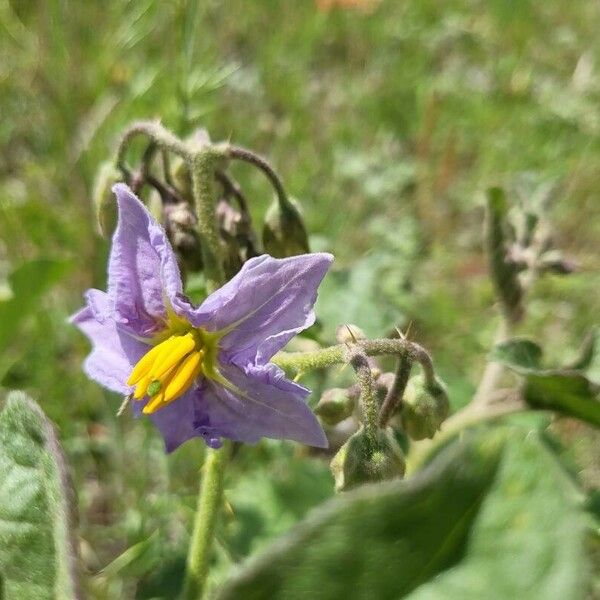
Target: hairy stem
203,164
394,396
493,370
301,362
209,504
258,161
368,402
155,132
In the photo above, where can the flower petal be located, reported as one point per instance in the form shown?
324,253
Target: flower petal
268,302
142,268
114,352
182,420
269,406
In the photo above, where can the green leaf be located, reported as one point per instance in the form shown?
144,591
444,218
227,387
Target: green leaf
379,541
529,538
37,550
565,391
518,354
569,393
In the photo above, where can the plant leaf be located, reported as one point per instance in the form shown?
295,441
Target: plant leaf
519,354
567,392
529,540
379,541
37,551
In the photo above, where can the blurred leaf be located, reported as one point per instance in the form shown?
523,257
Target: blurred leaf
380,541
28,283
529,538
502,270
518,353
37,550
566,391
569,393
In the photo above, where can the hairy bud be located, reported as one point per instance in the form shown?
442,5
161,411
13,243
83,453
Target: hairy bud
284,233
424,409
237,234
180,224
104,199
335,405
364,460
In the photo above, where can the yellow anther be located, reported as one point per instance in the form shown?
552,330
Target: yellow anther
154,404
166,371
144,364
178,347
183,377
140,388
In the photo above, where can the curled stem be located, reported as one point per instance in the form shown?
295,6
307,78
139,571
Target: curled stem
396,392
258,161
368,402
155,132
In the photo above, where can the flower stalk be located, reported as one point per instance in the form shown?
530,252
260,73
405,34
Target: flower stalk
396,392
205,521
368,401
302,362
203,165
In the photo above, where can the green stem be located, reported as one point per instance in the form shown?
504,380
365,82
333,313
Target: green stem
302,362
368,403
209,504
261,163
203,164
157,133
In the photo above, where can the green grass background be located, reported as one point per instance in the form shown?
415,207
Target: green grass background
387,124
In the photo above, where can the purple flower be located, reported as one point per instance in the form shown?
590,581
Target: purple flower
200,370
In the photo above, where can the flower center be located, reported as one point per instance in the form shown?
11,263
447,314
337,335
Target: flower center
168,370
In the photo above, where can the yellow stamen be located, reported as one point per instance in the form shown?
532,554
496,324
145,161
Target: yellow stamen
178,349
144,364
167,371
184,376
154,403
140,389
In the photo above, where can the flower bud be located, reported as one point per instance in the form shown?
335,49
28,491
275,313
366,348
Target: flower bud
180,223
237,235
335,405
424,408
284,233
104,199
364,460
